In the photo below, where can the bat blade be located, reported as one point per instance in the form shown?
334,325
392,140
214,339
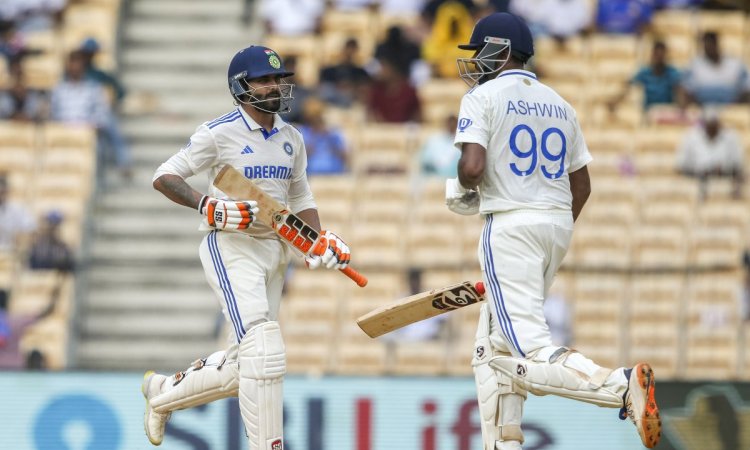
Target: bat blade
418,307
293,230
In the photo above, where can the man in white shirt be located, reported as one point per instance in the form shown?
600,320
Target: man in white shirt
245,269
16,224
523,167
292,17
716,78
710,149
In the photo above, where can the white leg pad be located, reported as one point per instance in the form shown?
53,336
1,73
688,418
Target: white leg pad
262,367
500,399
204,381
565,373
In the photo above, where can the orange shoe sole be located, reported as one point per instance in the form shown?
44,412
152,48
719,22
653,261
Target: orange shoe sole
650,429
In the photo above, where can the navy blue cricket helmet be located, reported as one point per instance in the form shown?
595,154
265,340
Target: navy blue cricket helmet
253,62
492,35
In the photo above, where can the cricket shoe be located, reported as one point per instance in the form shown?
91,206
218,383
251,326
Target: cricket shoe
640,404
153,422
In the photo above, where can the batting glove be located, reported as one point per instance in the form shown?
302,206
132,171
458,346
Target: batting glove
228,214
459,199
335,256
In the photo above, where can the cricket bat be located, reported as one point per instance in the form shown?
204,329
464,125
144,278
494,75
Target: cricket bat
287,225
417,307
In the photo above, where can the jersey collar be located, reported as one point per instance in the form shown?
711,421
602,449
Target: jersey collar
523,73
278,123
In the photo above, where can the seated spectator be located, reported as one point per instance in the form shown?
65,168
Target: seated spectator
660,81
344,83
392,98
16,222
624,16
326,149
715,78
48,250
710,149
18,102
36,15
452,26
399,49
79,100
401,7
438,156
11,43
89,48
291,17
560,19
12,328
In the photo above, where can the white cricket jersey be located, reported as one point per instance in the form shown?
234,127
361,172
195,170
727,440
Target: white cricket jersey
533,141
275,160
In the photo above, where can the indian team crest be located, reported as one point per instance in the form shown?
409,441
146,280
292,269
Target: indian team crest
288,149
274,61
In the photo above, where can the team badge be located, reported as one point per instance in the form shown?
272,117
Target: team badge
463,124
273,60
288,149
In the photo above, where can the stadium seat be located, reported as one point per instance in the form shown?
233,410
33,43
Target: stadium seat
424,358
360,358
433,245
659,247
378,245
717,246
602,246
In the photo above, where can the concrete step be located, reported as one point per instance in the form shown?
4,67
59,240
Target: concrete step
185,58
174,131
179,222
147,251
165,80
135,324
224,9
158,301
184,282
198,30
157,353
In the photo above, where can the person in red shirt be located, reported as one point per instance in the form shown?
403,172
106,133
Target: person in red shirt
392,98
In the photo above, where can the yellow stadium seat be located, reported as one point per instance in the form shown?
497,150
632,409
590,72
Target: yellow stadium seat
419,358
602,246
724,212
659,247
459,355
667,212
673,22
360,358
352,22
613,47
717,246
433,245
379,245
306,356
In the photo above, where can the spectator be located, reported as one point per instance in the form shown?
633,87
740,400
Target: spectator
438,155
12,328
560,19
452,26
677,4
36,15
399,49
430,10
745,289
292,17
344,83
18,102
16,223
660,81
401,7
300,93
48,250
711,150
392,98
11,44
352,5
78,100
715,78
89,48
624,16
326,150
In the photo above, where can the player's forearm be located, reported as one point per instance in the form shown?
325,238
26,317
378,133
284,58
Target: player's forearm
580,188
176,189
471,165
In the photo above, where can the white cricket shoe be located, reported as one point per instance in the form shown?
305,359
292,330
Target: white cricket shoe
640,404
153,422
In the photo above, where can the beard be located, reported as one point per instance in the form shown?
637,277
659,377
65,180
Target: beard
269,102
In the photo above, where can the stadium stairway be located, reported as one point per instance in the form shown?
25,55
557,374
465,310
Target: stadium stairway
145,301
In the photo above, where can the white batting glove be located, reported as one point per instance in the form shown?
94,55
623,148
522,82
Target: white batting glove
336,255
459,199
228,214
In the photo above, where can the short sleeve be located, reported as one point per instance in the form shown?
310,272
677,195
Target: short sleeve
300,195
579,152
639,77
472,121
198,155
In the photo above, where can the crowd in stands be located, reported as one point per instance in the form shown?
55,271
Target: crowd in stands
84,95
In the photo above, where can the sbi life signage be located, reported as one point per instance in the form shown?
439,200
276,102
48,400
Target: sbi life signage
75,411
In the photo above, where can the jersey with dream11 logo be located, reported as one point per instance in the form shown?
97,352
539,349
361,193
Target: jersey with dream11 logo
533,140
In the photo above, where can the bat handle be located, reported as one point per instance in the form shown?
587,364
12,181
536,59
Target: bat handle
357,277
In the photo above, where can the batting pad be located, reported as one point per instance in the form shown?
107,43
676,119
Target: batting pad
262,368
570,375
205,381
500,398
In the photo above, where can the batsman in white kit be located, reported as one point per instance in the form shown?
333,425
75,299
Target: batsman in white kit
523,167
244,260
